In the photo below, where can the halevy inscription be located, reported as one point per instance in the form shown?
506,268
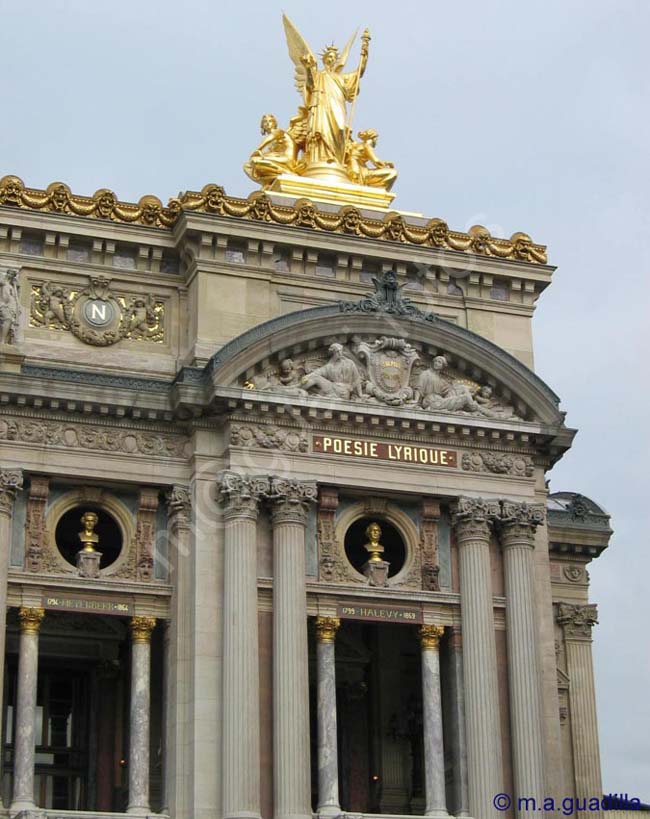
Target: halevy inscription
379,450
71,603
385,614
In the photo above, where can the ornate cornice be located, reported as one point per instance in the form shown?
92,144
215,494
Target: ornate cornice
291,498
326,628
258,207
11,481
577,620
430,637
141,628
241,494
30,619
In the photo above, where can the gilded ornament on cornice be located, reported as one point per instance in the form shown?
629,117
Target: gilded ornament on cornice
212,199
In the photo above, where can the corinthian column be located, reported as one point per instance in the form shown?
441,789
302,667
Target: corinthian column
241,496
141,628
517,533
434,751
472,521
11,481
25,748
328,764
577,622
292,789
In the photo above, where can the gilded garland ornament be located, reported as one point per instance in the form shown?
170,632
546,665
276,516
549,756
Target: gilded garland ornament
212,199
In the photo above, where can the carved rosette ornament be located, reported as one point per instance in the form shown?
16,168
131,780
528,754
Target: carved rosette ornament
141,628
577,620
326,628
241,494
11,481
30,619
291,499
518,522
430,637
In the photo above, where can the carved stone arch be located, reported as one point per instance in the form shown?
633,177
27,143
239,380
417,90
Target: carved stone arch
306,331
383,510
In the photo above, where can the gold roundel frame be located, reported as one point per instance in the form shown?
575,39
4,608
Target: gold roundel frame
391,513
103,500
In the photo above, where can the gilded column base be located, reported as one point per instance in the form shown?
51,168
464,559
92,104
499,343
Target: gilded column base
331,191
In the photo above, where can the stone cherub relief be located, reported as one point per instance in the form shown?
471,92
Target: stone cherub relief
384,370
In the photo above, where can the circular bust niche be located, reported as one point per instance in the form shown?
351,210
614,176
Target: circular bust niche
391,540
107,529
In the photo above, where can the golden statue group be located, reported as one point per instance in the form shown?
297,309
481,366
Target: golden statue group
318,143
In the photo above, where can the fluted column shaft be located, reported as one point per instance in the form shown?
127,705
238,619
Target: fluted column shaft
241,737
517,534
458,741
292,791
25,748
328,768
434,752
577,622
11,481
472,521
141,628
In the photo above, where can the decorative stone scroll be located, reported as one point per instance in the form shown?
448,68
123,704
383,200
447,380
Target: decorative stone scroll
241,494
11,481
387,298
385,370
96,315
291,499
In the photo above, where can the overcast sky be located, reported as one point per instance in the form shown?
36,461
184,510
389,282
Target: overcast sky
519,116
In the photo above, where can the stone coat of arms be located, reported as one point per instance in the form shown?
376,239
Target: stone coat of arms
389,362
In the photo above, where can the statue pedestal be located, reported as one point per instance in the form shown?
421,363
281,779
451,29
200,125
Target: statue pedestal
11,358
88,563
376,571
331,191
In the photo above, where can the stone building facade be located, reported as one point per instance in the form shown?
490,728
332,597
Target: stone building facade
230,393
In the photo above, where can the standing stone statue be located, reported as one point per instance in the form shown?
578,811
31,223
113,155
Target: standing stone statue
9,306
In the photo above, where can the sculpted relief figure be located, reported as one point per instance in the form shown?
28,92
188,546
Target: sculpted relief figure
9,307
381,372
436,391
339,378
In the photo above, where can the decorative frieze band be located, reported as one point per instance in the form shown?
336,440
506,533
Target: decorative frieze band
498,463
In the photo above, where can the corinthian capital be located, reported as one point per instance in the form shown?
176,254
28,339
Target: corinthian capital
291,499
11,481
518,522
472,518
577,620
241,494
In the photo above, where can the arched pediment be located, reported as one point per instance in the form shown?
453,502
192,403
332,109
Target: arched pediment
385,358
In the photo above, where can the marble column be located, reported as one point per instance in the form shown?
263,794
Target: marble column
472,521
11,481
178,656
577,622
328,761
141,628
457,741
517,534
434,750
292,778
240,496
25,747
